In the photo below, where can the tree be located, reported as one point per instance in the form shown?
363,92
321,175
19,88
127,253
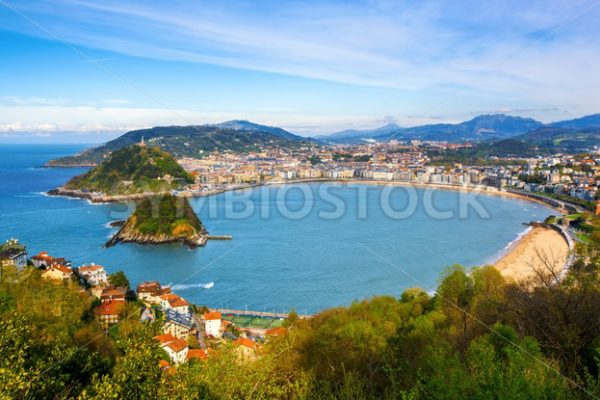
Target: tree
291,318
455,294
15,377
119,279
136,375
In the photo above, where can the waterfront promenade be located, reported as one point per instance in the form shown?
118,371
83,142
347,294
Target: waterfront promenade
260,314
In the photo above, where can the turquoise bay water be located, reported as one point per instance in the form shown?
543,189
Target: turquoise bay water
274,263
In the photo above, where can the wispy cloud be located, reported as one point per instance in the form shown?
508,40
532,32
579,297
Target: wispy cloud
405,44
55,120
433,49
33,101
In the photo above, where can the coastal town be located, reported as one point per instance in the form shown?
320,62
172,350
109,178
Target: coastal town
188,331
573,178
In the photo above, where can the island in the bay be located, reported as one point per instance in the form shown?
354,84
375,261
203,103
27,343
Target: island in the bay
162,219
148,176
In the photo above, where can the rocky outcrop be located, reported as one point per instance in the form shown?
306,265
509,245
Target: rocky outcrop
130,234
100,197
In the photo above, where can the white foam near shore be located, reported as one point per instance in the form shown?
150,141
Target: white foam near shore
509,247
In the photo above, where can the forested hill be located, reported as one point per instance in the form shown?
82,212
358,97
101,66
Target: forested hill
134,169
162,219
192,141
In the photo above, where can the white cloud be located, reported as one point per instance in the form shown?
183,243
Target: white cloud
87,120
454,54
34,101
405,44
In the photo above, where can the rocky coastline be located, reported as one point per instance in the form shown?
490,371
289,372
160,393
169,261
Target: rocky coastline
100,197
128,233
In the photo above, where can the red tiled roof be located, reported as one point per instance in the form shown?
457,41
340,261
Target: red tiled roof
148,287
209,316
244,342
164,339
168,296
280,331
110,308
114,292
179,302
172,342
43,256
196,353
62,268
90,267
174,300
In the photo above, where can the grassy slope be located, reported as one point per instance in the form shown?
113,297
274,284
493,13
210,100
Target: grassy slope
183,141
133,169
167,215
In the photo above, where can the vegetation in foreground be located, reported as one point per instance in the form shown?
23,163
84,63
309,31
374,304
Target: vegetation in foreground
134,169
478,337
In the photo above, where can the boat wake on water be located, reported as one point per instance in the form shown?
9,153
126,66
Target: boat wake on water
206,285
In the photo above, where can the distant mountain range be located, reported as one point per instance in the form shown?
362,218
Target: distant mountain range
569,136
352,136
191,141
483,128
589,121
480,128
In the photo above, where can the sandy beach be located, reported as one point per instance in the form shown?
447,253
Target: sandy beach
541,248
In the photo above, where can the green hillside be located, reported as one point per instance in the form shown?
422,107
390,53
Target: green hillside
562,140
191,141
174,217
134,169
162,219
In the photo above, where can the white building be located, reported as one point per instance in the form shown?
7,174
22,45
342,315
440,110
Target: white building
173,302
93,274
176,348
57,272
212,324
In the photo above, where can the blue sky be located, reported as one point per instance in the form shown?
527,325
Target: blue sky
79,70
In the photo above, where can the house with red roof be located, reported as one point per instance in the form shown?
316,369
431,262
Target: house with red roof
176,348
93,275
113,293
109,312
173,302
212,324
57,272
151,291
44,260
246,349
197,354
274,332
